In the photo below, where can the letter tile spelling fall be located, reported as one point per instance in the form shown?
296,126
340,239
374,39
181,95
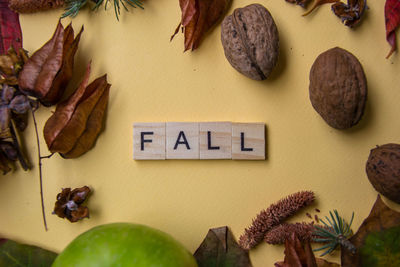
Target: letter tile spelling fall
198,140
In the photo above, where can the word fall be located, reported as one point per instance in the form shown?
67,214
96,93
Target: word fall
198,140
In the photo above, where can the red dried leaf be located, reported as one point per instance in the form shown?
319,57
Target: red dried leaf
46,74
198,16
392,21
10,29
76,123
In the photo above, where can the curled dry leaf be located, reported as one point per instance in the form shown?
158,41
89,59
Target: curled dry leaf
69,204
299,255
392,21
73,128
199,16
351,13
377,240
46,74
220,248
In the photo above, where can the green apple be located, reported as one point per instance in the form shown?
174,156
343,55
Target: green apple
124,244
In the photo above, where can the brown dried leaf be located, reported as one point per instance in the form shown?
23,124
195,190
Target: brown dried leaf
220,248
69,204
46,74
76,123
380,218
199,16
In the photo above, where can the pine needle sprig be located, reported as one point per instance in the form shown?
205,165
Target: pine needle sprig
335,233
74,6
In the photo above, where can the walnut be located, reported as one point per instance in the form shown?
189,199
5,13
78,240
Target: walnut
338,88
383,170
251,41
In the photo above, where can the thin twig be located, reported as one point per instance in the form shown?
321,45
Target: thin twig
40,170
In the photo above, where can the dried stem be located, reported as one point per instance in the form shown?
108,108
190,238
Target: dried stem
40,169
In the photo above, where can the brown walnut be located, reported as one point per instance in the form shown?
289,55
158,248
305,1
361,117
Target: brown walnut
251,41
383,170
338,88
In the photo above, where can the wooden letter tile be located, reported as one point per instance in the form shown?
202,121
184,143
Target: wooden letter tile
248,141
148,141
183,140
215,140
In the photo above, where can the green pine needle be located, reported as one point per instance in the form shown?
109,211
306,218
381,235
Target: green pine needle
73,6
336,232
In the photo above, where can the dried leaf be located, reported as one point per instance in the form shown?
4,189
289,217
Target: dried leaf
69,204
46,74
318,3
199,16
76,123
392,21
351,13
13,254
10,29
380,219
220,248
297,255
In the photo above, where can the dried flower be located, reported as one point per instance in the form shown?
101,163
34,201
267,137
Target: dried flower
273,216
69,204
278,234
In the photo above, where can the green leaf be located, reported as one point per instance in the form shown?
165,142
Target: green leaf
220,249
382,249
13,254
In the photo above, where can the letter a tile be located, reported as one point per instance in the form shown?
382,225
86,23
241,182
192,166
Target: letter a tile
148,141
215,140
182,140
248,141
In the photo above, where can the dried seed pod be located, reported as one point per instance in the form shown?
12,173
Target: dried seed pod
251,41
338,88
383,170
75,125
46,74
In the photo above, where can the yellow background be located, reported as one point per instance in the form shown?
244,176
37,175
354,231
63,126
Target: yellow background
153,80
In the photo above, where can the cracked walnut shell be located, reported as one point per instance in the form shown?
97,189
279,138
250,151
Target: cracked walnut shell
251,41
338,88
